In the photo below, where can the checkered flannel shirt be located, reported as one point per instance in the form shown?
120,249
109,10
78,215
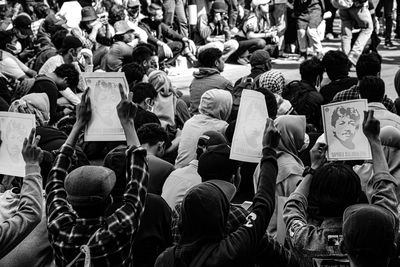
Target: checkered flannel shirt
112,244
354,93
236,217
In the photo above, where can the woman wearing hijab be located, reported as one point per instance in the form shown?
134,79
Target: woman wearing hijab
290,167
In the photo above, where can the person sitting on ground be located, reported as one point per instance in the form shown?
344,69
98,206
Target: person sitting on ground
205,211
182,179
154,139
215,108
208,77
53,84
372,88
29,211
133,8
313,212
159,33
77,201
257,32
144,96
370,230
337,66
143,55
304,95
213,31
367,65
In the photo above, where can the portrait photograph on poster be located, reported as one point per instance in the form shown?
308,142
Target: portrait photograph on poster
14,127
105,96
343,130
249,129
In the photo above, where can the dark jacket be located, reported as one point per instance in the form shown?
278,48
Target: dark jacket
206,79
329,90
239,247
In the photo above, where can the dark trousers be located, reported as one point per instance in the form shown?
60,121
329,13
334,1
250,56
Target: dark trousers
249,45
387,6
176,47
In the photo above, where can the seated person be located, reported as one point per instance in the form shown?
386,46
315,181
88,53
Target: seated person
337,66
213,31
144,96
257,32
159,33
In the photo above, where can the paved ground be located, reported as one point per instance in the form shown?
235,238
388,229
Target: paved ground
181,78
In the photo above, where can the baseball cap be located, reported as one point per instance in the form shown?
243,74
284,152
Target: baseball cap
219,7
259,57
215,164
89,185
368,229
23,23
122,27
211,138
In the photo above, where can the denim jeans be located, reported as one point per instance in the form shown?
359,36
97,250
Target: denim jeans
176,7
362,17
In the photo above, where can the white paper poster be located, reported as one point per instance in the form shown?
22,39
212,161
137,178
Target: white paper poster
15,127
249,129
104,96
343,130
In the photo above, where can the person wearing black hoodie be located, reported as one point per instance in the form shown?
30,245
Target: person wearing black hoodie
205,209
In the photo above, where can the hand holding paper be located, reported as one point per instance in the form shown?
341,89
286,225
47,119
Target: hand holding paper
271,135
84,111
371,126
31,153
126,109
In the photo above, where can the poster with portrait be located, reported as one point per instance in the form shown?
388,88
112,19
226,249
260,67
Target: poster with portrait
249,129
343,130
104,97
14,127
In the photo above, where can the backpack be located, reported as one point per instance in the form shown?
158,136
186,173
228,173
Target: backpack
342,4
245,83
26,85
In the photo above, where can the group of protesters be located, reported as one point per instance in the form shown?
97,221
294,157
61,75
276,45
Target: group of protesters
170,195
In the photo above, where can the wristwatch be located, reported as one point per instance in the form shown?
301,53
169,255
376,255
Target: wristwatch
308,170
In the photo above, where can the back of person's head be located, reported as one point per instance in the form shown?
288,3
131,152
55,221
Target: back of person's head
88,190
134,73
372,88
69,72
270,101
368,65
116,13
369,235
70,42
142,91
208,57
209,139
334,187
142,53
152,134
312,70
216,103
336,64
272,80
58,38
261,58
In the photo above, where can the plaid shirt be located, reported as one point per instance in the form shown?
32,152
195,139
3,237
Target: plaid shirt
354,93
112,244
236,217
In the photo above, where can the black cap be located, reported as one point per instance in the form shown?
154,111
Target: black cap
23,23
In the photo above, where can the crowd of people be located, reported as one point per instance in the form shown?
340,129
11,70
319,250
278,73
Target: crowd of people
170,195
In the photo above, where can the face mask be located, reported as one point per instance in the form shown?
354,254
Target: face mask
306,143
15,48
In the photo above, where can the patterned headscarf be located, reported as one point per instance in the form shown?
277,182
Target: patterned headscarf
272,80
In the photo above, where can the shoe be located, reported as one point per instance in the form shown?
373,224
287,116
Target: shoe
303,57
389,45
243,61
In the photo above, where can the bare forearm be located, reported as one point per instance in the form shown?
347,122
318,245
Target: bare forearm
131,135
378,157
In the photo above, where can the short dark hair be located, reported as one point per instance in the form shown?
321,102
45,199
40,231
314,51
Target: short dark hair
134,73
58,38
152,133
208,57
142,53
68,71
368,65
334,187
141,91
336,64
41,10
116,13
311,69
341,111
372,88
270,101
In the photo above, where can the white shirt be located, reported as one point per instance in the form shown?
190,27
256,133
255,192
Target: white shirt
72,12
179,182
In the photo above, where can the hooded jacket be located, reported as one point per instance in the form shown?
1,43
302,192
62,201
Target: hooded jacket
206,79
215,108
204,215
